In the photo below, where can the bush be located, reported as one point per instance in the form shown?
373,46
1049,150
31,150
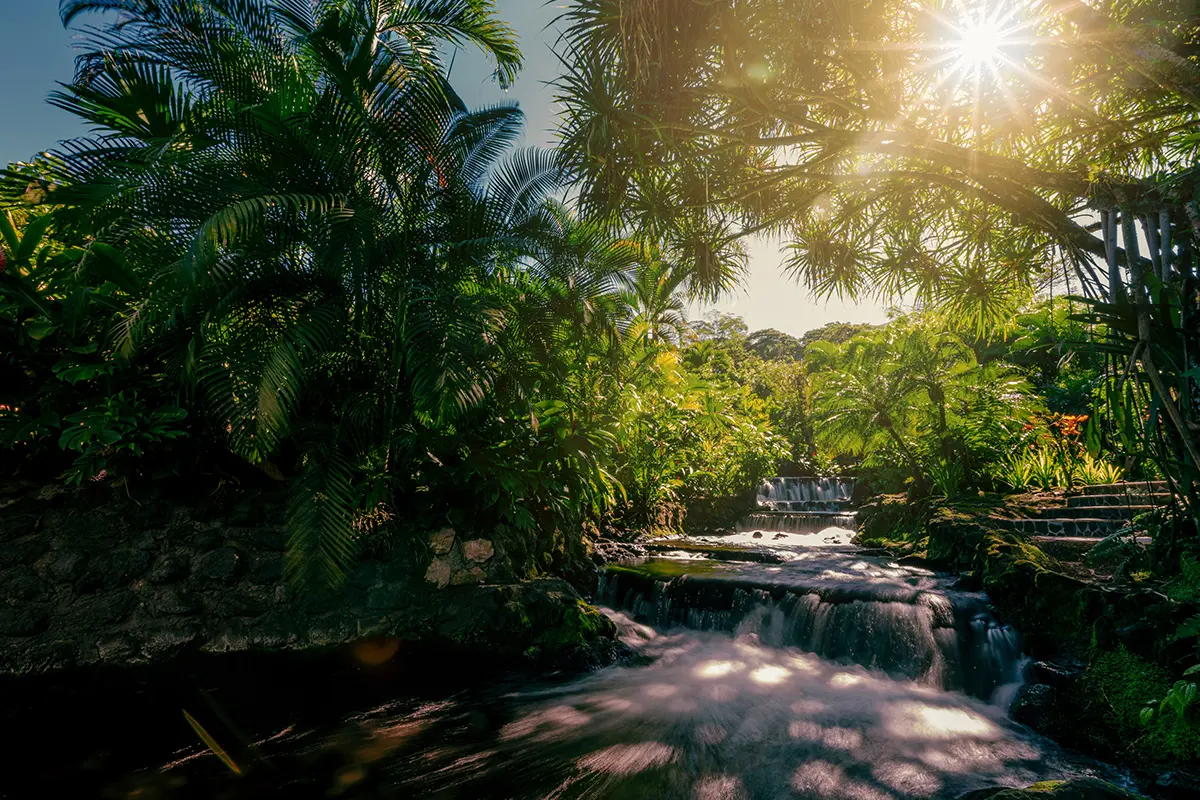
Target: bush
1117,687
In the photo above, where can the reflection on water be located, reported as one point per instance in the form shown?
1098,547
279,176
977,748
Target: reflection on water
708,716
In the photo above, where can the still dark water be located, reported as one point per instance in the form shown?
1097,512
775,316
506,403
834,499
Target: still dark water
829,675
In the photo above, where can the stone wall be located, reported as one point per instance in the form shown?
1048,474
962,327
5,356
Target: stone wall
92,576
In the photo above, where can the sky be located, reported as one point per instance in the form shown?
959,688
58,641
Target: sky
36,53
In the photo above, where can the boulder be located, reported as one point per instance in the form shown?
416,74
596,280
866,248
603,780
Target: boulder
1077,789
478,550
439,573
442,541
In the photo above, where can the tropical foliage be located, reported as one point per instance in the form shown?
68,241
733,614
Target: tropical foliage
289,237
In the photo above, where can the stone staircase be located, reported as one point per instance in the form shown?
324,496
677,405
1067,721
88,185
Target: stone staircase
1089,514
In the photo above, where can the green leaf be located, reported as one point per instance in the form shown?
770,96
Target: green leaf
35,230
40,329
1147,715
1192,670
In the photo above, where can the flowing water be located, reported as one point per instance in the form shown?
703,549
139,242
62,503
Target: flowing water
814,670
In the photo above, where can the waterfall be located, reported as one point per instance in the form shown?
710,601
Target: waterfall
944,640
805,494
811,522
801,505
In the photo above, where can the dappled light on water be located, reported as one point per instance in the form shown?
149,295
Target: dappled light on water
703,716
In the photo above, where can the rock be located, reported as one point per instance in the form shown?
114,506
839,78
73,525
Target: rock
102,610
217,567
25,550
266,569
390,598
478,550
970,581
115,568
442,541
1177,785
1034,705
1059,674
439,573
23,620
364,575
756,535
779,536
1077,789
168,568
244,601
21,584
117,649
169,602
464,577
166,641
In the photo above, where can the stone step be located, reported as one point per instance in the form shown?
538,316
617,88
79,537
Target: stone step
1072,548
1098,500
1123,512
1129,487
1060,527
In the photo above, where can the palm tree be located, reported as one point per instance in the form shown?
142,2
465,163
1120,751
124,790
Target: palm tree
864,398
328,244
656,295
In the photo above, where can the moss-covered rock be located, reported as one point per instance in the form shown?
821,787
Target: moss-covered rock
1078,789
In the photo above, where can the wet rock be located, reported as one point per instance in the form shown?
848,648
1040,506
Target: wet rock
1059,674
478,550
107,609
779,536
117,649
464,577
25,550
217,567
1177,785
1077,789
439,573
21,584
363,576
442,541
162,642
266,569
243,601
168,568
1035,704
114,568
170,602
390,598
756,535
969,582
23,620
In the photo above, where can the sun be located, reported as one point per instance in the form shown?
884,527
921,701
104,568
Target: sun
982,38
981,43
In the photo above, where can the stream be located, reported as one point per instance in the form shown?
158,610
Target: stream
778,661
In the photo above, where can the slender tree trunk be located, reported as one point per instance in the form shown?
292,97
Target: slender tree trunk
1142,307
1116,287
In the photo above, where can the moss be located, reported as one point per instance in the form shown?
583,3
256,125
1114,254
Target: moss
659,569
581,624
1077,789
1115,689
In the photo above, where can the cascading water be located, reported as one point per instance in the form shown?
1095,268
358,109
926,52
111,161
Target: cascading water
839,605
801,505
805,494
825,674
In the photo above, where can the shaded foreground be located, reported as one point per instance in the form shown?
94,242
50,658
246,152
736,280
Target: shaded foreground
706,715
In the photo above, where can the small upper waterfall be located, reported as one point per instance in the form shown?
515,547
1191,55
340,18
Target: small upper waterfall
802,505
805,494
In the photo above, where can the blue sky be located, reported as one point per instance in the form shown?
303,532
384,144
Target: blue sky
35,53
